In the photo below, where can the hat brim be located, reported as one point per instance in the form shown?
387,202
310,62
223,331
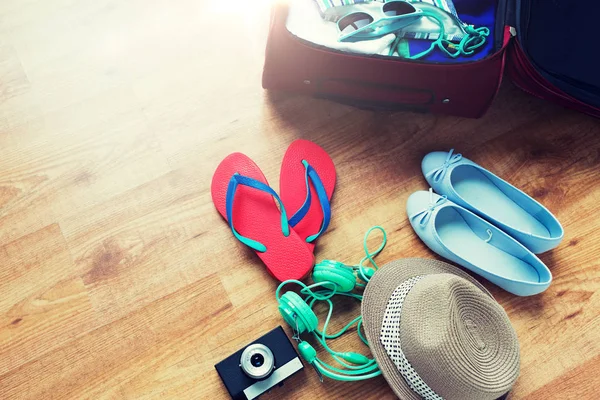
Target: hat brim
375,299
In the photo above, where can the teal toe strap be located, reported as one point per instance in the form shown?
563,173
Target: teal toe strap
312,176
234,182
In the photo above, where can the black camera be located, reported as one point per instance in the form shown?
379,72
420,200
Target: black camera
264,363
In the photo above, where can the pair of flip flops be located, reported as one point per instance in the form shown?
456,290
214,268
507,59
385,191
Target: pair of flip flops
281,229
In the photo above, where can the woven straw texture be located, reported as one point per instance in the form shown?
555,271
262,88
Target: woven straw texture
452,331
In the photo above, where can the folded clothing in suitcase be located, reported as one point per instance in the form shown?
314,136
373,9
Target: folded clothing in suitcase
305,54
420,24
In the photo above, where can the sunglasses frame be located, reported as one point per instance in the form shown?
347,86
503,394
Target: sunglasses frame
392,24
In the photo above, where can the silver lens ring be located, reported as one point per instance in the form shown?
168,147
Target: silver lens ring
257,361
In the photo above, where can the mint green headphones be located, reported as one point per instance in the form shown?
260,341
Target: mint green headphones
331,278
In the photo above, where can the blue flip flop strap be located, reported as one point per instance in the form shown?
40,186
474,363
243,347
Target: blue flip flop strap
323,200
236,180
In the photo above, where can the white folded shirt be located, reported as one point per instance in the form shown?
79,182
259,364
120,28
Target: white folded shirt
305,21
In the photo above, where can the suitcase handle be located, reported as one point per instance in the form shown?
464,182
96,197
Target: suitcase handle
369,105
374,95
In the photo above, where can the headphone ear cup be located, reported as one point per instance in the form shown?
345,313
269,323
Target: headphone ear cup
342,276
297,313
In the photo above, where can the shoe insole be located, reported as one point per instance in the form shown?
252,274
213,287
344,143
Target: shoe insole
479,191
460,239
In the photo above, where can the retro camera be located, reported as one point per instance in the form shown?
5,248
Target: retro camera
264,363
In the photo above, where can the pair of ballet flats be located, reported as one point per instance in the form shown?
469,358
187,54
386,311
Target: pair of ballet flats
483,223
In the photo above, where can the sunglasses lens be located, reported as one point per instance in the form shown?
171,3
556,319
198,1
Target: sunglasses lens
396,8
354,21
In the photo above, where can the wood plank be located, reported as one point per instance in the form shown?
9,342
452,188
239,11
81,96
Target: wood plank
31,260
150,248
101,362
12,75
579,383
44,303
53,172
147,259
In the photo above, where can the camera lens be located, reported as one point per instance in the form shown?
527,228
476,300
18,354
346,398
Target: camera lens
257,360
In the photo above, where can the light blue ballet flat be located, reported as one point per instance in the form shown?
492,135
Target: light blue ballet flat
469,240
476,189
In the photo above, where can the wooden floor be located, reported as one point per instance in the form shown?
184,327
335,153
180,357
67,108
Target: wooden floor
119,280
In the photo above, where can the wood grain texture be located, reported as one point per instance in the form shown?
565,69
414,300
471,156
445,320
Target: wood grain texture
118,278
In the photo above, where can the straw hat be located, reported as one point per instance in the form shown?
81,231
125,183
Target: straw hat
437,333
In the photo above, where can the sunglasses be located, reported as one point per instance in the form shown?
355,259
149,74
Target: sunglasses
391,17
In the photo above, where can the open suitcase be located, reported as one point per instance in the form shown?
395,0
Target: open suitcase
548,48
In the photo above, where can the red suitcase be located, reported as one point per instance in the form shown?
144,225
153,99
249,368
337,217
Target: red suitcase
563,74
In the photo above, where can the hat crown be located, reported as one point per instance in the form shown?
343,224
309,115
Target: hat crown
458,339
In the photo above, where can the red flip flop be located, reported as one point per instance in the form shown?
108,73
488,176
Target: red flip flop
243,197
306,184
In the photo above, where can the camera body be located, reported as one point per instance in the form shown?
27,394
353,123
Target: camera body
262,364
